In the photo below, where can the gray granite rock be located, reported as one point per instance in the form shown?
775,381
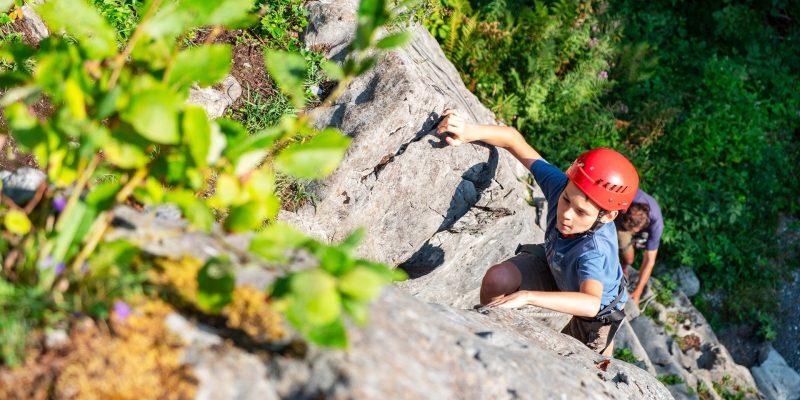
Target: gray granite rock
215,100
687,281
414,350
444,214
776,379
21,185
331,26
626,339
33,27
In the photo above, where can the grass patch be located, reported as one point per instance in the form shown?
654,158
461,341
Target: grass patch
670,379
258,112
625,354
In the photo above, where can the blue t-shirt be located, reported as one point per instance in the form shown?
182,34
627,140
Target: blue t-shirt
656,220
590,256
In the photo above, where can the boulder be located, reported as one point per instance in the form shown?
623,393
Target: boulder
31,25
687,280
215,100
626,339
20,186
776,379
444,214
448,353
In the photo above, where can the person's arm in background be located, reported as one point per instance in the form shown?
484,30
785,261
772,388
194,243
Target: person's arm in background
460,131
645,270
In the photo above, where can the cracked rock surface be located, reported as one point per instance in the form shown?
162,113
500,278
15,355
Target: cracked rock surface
442,213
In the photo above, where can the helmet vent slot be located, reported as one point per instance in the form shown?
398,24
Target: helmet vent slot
611,187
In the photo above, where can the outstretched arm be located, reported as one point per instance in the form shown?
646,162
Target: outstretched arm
585,303
460,131
645,270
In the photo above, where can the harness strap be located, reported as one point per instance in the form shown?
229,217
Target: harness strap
609,308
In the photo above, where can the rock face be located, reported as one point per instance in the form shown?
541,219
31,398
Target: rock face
675,342
428,207
21,185
444,214
215,100
31,26
776,379
448,354
687,280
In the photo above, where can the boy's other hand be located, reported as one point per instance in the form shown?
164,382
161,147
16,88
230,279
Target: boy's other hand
513,300
455,126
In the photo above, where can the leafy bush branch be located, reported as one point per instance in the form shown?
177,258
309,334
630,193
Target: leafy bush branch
123,113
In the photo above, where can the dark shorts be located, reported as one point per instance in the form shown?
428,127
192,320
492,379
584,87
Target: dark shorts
532,265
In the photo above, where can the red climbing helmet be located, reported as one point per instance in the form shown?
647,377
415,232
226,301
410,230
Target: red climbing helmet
606,177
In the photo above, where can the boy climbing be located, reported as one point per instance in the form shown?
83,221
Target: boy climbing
577,269
640,227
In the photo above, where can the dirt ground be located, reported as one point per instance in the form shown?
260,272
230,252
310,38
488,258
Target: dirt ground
248,62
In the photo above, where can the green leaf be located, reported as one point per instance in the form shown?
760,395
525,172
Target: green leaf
246,162
314,299
227,191
315,158
333,259
151,193
17,222
82,21
371,15
357,310
69,224
366,64
289,72
154,115
108,255
215,285
352,240
332,70
240,143
261,184
75,99
194,209
394,40
103,196
181,16
17,94
361,284
197,134
108,103
204,65
330,335
246,217
124,154
5,5
276,240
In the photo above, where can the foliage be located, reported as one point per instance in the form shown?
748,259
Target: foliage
670,379
129,105
766,327
729,390
122,15
625,354
283,22
664,287
702,97
730,92
541,66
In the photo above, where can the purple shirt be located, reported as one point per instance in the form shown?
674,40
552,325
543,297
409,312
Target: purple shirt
656,220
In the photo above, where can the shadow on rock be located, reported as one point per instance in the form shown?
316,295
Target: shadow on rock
425,260
468,193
